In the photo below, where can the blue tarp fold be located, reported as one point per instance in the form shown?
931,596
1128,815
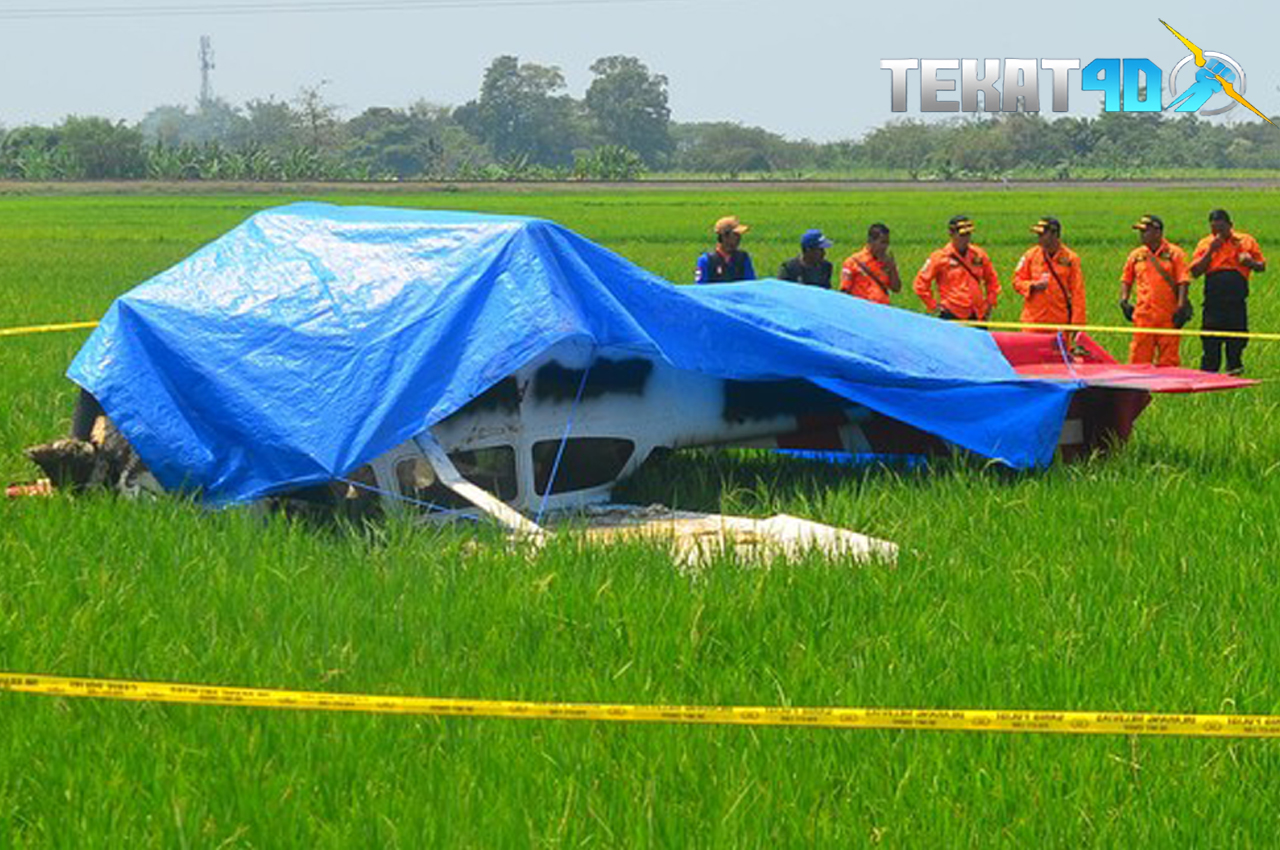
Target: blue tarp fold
312,338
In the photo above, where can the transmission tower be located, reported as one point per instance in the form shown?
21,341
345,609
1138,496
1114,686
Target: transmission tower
206,65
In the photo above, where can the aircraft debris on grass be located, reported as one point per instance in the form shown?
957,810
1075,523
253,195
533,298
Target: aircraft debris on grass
457,363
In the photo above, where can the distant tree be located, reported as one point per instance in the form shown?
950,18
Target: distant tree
1030,141
460,152
629,106
521,113
32,153
272,125
19,138
1187,141
836,155
724,147
905,145
1255,145
1078,134
167,125
102,150
318,118
1130,132
608,162
216,120
976,148
393,142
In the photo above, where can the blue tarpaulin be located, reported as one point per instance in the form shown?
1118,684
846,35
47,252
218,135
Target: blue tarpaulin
312,338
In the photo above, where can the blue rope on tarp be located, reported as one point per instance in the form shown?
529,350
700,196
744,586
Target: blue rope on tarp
564,441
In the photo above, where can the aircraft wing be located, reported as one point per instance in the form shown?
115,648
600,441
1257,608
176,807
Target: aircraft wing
1040,355
1156,379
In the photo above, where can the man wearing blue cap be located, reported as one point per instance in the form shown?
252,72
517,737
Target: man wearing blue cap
810,266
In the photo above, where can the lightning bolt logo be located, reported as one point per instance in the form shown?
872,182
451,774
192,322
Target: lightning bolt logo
1226,84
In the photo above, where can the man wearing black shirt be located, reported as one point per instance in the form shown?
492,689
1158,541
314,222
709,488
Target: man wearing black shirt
810,266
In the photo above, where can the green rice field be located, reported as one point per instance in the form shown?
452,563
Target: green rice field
1148,580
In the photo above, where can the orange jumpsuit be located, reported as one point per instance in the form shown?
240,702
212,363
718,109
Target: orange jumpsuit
870,283
1156,300
1227,257
967,286
1062,299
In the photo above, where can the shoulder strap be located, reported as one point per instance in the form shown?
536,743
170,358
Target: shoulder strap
1066,291
869,273
965,266
1168,278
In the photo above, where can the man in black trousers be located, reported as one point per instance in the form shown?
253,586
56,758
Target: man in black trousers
1226,258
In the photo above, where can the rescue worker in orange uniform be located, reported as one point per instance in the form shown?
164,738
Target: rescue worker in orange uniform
1158,270
968,287
1226,257
1049,277
872,273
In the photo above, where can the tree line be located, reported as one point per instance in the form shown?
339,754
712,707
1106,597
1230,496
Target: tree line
523,125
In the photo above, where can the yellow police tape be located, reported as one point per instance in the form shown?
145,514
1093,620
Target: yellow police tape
46,329
1059,722
75,326
1121,330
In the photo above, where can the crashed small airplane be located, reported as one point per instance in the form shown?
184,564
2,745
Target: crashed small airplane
452,361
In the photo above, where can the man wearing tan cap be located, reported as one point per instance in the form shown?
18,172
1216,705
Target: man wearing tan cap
966,280
726,263
1158,270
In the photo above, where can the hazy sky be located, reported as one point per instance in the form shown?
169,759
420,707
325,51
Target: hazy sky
808,69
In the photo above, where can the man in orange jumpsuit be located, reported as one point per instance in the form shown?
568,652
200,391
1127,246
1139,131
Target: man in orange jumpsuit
1049,277
872,273
1226,257
966,280
1158,269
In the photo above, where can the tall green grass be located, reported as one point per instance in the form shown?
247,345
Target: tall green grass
1141,581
